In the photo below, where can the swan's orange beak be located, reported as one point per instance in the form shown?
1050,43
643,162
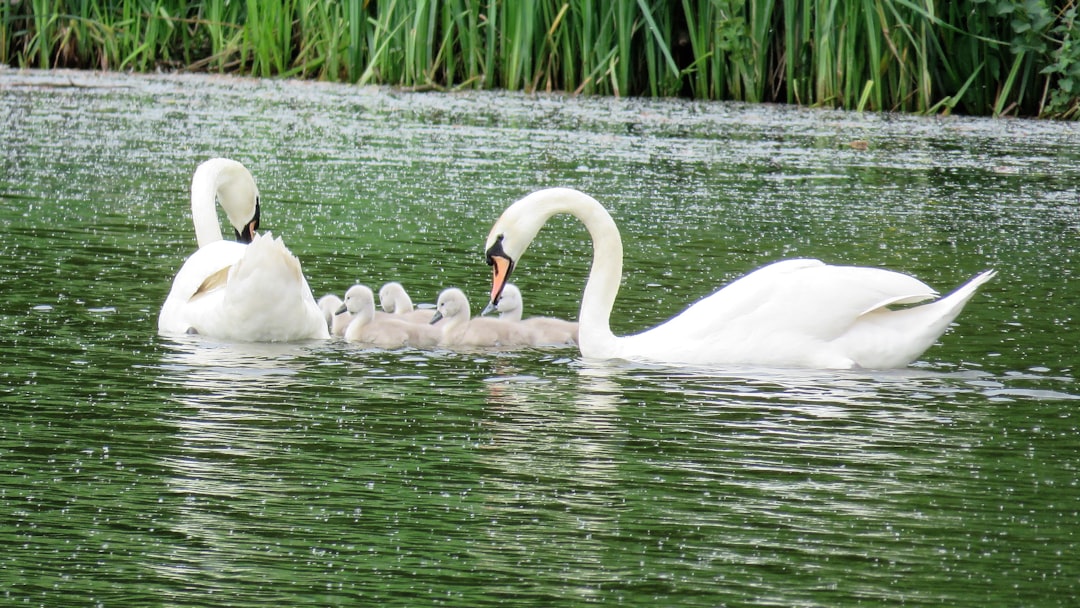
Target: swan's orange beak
500,267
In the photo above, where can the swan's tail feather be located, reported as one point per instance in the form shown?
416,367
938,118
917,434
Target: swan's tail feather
965,291
893,338
269,254
944,311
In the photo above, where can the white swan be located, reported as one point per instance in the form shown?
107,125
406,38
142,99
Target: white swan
383,331
329,304
395,300
234,291
792,313
459,329
545,331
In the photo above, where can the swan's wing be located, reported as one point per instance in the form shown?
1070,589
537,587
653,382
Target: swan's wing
215,281
261,296
740,297
797,297
206,262
203,263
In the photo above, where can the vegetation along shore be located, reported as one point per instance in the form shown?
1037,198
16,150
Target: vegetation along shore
980,57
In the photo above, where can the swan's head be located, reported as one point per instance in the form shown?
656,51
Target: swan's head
517,227
452,303
236,193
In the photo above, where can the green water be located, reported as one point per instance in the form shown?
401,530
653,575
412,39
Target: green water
140,470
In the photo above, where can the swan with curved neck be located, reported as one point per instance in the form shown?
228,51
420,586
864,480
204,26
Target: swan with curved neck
792,313
237,291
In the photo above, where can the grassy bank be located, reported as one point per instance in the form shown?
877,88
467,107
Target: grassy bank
983,57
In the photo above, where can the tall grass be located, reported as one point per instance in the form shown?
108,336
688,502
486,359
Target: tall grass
992,57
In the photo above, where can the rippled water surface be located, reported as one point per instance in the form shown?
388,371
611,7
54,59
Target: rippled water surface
140,470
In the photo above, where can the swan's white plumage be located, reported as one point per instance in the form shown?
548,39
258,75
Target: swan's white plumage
792,313
383,331
458,328
236,292
544,331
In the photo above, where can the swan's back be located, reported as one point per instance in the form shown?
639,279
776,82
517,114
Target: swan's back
210,260
808,314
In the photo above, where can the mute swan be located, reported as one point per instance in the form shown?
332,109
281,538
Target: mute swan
458,329
234,291
384,331
792,313
329,305
396,301
545,331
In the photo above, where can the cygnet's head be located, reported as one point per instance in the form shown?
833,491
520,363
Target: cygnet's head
358,299
510,303
394,299
452,304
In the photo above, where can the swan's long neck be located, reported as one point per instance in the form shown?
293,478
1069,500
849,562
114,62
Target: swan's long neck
204,187
605,274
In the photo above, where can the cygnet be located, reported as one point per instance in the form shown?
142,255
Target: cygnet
383,331
458,329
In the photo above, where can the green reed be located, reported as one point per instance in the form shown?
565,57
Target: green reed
996,57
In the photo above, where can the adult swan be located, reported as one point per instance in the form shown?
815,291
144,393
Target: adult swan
233,290
792,313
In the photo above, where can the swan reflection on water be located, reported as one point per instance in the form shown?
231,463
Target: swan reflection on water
224,369
232,408
617,450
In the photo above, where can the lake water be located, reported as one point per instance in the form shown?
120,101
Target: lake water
141,470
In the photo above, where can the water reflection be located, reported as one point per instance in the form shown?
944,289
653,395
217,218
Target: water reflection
233,434
745,467
554,478
228,371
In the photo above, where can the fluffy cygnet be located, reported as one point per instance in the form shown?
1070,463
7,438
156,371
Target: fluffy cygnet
383,331
452,316
545,331
396,301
